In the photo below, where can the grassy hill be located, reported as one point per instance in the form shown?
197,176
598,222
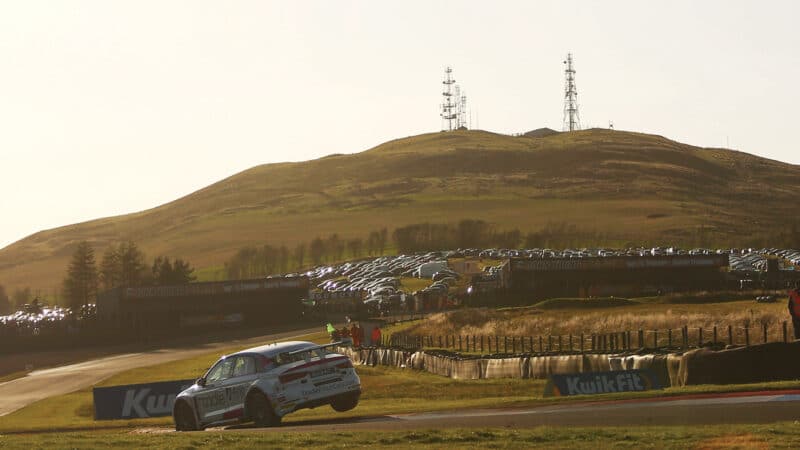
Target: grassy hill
628,187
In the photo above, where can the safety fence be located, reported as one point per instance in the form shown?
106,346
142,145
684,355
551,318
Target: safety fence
682,338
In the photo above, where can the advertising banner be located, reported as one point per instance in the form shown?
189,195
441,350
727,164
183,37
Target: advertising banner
601,383
137,401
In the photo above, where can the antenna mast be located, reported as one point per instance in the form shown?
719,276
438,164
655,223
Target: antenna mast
449,112
572,121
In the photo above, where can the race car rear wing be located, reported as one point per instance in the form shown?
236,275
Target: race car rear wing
346,343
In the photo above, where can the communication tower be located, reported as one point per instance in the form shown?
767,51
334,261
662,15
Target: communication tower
460,99
572,121
449,105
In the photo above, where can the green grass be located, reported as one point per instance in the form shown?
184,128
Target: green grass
778,436
616,187
573,303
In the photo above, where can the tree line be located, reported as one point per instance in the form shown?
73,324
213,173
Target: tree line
254,261
123,265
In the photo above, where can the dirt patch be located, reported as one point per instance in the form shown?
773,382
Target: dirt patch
742,441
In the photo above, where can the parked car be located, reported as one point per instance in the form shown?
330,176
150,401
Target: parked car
263,384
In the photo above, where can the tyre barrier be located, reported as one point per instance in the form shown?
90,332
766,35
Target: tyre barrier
757,363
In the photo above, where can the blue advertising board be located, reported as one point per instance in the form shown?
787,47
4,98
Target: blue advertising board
601,383
136,401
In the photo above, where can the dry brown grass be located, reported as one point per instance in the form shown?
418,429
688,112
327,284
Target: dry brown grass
531,321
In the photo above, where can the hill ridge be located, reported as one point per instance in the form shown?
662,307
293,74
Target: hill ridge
609,181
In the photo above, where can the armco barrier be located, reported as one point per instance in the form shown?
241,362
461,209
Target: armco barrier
767,362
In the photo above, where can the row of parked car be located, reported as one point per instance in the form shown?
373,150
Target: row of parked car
374,278
379,277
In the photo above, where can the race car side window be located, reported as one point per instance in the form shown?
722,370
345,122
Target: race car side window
221,371
245,365
265,364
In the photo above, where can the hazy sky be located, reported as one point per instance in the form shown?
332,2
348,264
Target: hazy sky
110,107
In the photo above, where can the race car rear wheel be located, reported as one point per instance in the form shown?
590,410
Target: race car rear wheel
344,403
184,418
261,412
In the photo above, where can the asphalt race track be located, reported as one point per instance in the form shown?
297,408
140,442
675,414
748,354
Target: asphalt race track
749,407
41,384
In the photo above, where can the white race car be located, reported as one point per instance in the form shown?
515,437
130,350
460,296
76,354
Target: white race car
263,384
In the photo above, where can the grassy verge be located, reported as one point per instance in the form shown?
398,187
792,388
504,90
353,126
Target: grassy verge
780,435
13,376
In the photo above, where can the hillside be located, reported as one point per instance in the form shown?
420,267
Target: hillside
629,187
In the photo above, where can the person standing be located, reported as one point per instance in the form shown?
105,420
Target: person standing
794,308
356,334
376,336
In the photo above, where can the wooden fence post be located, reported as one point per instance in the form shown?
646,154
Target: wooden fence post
522,344
541,344
549,343
513,344
474,338
700,337
685,331
669,337
440,342
570,342
785,332
715,335
530,344
482,343
559,344
460,348
582,342
730,334
497,344
765,333
641,338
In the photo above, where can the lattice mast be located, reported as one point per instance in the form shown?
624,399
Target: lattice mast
572,121
449,112
462,110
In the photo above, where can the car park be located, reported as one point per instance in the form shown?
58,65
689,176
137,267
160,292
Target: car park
264,384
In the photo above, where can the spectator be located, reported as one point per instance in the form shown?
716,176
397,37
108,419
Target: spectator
333,332
357,334
794,308
376,336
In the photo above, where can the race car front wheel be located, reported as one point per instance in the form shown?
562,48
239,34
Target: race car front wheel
261,412
184,418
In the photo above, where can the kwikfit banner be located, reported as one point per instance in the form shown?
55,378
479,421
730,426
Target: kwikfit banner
136,401
601,383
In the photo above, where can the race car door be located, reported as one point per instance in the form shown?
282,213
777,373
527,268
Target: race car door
235,387
211,400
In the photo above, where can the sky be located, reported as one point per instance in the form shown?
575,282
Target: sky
112,107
